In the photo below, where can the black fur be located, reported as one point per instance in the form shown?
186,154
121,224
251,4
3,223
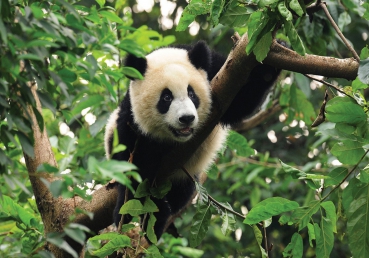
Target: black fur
139,63
148,157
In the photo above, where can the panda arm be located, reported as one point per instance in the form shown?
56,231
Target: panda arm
252,93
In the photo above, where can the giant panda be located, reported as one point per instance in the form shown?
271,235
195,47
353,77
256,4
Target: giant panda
167,108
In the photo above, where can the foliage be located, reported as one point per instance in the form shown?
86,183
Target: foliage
307,188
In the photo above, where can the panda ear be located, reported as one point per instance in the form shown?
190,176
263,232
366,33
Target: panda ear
200,56
139,63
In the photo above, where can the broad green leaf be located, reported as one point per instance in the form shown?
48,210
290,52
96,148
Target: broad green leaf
161,190
238,143
188,251
295,39
268,208
90,101
295,173
67,75
200,225
111,16
295,248
358,85
116,243
150,229
295,6
133,208
216,10
132,73
235,16
27,145
264,3
343,109
194,8
261,49
58,240
302,215
259,239
153,252
330,212
149,205
364,175
348,152
324,244
203,195
143,189
283,10
311,233
358,219
229,221
336,176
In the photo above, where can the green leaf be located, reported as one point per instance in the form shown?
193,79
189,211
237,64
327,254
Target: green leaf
295,173
358,85
302,215
133,208
162,189
193,9
364,175
348,152
101,3
260,251
283,10
150,229
149,206
116,243
90,101
132,73
229,221
235,16
143,189
295,6
238,143
330,212
294,37
358,219
269,207
336,176
27,145
295,248
311,233
261,49
153,252
216,10
111,16
363,73
343,109
324,243
200,225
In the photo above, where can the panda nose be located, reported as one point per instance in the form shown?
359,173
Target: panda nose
186,119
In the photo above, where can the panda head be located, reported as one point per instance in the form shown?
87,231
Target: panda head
174,99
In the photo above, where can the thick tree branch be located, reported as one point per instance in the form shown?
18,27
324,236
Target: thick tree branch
287,59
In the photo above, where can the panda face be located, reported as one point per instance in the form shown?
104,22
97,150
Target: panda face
173,100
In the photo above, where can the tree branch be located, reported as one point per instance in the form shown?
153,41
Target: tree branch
284,58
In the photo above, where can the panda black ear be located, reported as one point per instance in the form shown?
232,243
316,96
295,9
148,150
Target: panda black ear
139,63
200,56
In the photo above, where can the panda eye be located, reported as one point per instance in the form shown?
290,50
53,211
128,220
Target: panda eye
191,94
167,98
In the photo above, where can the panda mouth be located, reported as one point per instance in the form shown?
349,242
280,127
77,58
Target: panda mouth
183,132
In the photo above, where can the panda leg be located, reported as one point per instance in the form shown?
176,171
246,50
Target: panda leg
180,194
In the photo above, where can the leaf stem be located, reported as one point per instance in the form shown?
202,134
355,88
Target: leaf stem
348,174
213,200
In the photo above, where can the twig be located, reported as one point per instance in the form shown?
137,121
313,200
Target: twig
323,5
348,174
266,240
328,84
213,200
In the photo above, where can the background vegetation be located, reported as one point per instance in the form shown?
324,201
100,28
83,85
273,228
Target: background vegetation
307,188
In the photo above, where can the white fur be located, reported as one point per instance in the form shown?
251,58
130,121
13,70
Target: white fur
109,131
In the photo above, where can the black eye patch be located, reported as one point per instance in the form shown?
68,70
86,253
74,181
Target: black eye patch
192,95
165,100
